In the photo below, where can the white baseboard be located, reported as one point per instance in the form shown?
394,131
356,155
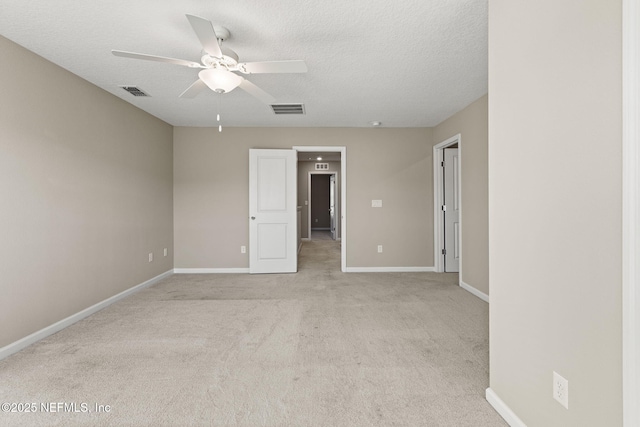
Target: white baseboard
388,269
15,347
505,412
305,239
210,270
484,297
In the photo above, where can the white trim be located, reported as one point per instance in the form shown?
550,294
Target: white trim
484,297
15,347
389,269
505,412
211,270
438,200
631,212
306,239
343,192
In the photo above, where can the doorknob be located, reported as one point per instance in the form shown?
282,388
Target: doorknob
253,217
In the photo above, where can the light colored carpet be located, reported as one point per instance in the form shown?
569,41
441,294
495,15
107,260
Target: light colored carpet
321,235
316,348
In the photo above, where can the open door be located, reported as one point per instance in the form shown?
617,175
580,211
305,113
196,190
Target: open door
332,204
272,211
452,211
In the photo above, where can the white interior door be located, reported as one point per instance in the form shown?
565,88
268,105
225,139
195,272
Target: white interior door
272,211
332,205
451,211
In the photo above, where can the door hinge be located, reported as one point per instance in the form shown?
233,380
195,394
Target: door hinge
442,164
444,208
444,252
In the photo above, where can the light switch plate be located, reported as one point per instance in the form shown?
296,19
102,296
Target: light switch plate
376,203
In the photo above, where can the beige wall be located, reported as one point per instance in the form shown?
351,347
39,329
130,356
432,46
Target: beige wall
211,185
86,194
472,125
555,208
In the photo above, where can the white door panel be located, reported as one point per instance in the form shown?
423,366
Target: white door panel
272,211
272,179
452,212
272,241
332,205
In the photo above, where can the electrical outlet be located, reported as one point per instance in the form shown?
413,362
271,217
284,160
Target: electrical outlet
561,389
379,249
151,257
243,249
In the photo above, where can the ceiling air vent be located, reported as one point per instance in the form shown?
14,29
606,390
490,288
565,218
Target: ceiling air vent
288,108
135,91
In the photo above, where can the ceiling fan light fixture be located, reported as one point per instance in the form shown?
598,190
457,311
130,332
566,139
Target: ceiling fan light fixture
220,80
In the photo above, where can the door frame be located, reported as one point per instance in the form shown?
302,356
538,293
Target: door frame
631,212
438,201
343,192
309,198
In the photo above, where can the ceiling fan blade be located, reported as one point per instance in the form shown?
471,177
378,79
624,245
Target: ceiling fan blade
194,90
146,57
293,66
254,90
206,34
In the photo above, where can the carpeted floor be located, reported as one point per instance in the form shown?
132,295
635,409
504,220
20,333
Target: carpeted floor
321,235
316,348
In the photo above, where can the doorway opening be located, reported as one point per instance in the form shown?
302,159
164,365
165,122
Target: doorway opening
324,162
447,205
323,207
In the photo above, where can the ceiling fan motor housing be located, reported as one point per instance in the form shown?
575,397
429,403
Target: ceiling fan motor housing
229,59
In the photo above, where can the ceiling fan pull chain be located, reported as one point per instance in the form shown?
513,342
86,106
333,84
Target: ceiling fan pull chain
218,116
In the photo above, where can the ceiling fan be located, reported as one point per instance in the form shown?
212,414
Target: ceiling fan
220,64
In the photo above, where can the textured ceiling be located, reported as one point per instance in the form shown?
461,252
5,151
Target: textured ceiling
410,63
